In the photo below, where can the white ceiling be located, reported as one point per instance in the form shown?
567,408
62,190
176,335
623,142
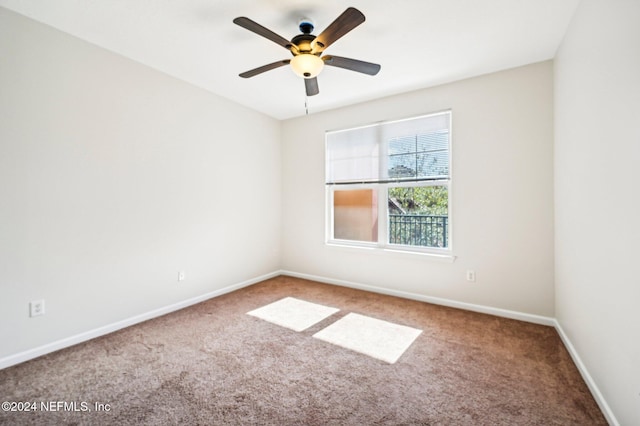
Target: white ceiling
419,43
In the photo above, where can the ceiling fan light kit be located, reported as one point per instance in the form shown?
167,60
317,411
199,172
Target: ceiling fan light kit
307,65
307,49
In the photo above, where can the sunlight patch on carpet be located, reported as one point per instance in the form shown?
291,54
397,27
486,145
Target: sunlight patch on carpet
293,313
376,338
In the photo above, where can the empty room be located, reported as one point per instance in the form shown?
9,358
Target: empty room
320,213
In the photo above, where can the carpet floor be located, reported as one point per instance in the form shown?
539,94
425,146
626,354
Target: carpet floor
212,364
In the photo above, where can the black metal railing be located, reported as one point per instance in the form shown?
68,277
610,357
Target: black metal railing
418,230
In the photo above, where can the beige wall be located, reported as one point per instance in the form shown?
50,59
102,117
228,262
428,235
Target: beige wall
502,205
597,203
113,178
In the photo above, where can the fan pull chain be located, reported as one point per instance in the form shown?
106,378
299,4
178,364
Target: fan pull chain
306,104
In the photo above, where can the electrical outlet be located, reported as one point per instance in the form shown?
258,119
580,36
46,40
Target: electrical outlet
471,275
181,276
36,308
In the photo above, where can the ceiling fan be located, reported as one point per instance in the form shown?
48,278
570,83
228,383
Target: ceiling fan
307,49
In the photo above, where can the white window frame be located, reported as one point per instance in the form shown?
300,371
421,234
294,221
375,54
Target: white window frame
383,244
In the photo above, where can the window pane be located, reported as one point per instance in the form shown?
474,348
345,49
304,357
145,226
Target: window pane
433,163
355,215
402,166
419,216
424,155
403,145
433,141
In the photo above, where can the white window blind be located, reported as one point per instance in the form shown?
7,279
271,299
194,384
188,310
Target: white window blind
415,149
352,155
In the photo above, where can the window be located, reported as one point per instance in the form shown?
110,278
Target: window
388,184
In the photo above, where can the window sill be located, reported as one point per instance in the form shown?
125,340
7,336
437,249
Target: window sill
380,251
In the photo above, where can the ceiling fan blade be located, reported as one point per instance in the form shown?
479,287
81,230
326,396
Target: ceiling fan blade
264,68
264,32
344,23
311,84
352,64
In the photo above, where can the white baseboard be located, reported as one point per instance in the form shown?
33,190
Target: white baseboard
597,395
536,319
110,328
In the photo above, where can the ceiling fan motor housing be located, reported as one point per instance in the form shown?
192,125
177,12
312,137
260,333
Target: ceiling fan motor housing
303,43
